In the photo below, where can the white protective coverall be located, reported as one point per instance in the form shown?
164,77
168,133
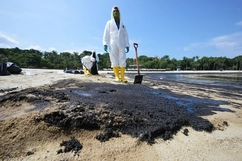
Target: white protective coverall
116,40
87,62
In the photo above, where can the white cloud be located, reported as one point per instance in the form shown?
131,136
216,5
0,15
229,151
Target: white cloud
231,41
227,45
239,23
52,49
36,47
6,41
70,51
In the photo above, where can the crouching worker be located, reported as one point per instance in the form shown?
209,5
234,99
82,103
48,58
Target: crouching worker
89,63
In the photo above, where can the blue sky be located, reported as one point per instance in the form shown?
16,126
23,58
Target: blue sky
178,28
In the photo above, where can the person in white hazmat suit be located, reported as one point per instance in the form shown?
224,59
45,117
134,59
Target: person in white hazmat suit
116,40
89,63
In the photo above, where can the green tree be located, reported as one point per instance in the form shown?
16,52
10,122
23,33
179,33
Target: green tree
104,61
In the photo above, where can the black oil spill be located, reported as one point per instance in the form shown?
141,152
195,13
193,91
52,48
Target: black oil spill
72,145
135,110
107,134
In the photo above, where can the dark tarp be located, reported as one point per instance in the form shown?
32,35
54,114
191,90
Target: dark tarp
13,68
94,70
3,69
73,71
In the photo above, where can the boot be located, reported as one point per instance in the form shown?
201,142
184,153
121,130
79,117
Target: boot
116,73
86,71
122,71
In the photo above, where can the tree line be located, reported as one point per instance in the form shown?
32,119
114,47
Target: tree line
31,58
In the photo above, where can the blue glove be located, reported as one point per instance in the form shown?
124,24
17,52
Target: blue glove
105,48
127,49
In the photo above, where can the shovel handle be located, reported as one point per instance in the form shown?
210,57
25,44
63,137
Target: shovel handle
137,61
135,45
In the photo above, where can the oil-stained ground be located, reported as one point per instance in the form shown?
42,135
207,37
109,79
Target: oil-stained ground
137,110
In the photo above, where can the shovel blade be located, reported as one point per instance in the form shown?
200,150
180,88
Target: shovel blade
138,79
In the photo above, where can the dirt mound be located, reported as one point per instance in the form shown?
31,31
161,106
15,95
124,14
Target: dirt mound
135,110
131,109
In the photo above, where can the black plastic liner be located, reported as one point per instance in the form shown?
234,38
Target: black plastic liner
3,69
13,68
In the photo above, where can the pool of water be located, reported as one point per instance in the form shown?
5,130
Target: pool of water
227,78
189,102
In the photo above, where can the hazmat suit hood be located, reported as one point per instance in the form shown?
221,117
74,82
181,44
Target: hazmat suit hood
112,18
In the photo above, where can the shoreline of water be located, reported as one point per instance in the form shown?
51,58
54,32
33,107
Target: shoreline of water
223,79
186,72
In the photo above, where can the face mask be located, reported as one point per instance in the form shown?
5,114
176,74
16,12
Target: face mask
116,14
